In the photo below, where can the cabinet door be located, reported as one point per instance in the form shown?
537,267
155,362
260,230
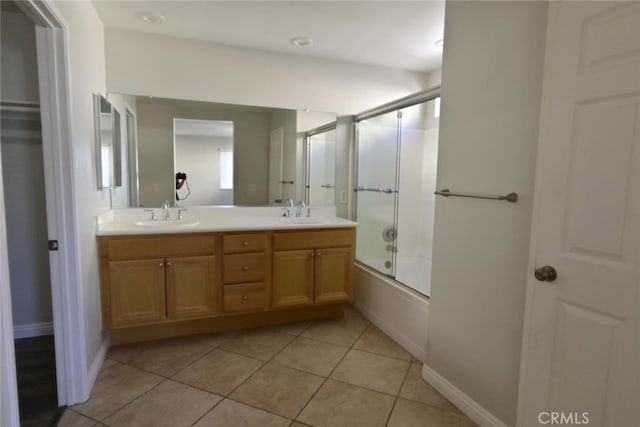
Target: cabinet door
136,290
191,287
292,278
333,275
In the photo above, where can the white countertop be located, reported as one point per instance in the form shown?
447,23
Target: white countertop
201,219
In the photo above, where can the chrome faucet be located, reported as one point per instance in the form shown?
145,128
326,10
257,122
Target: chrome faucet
165,210
299,208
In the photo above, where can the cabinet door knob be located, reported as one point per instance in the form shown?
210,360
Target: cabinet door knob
318,254
245,297
245,243
161,264
169,264
312,254
245,268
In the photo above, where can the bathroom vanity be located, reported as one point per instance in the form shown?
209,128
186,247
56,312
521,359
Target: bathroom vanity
220,270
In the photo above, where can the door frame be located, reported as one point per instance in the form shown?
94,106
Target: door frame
67,299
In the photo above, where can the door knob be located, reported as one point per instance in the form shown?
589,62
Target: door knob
546,274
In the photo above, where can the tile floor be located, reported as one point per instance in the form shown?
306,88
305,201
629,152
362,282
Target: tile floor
342,372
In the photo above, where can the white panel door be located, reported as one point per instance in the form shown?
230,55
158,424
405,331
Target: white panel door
581,348
276,162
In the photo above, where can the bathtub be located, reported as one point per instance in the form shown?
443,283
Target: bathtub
397,310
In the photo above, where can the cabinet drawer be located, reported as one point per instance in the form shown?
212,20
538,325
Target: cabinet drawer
164,246
241,243
241,268
245,297
287,240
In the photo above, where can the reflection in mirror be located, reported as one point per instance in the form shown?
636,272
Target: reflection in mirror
203,162
106,122
264,171
321,171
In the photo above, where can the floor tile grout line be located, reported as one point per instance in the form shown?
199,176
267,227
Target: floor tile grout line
198,359
211,409
70,408
258,408
395,402
132,400
328,376
264,363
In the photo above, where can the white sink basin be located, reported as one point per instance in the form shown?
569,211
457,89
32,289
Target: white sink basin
166,224
304,220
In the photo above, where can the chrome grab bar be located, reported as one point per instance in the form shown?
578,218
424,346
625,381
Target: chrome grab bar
375,190
511,197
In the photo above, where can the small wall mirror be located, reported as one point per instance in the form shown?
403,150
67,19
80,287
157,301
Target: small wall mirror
108,163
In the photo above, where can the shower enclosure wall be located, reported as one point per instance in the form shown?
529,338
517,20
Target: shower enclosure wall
395,184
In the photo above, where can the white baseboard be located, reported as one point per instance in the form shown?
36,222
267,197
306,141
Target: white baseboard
475,411
97,362
31,330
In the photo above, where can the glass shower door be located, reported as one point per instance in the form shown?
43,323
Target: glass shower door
376,192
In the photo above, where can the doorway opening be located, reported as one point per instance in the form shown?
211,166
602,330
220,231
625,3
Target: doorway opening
23,177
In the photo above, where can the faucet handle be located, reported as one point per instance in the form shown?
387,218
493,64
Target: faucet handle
153,214
180,216
286,213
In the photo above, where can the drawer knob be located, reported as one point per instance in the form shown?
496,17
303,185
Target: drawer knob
245,243
245,268
245,297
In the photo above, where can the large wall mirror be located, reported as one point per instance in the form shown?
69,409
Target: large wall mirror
203,153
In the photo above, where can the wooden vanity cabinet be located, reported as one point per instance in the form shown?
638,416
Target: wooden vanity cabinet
312,267
160,286
152,279
191,287
135,292
245,272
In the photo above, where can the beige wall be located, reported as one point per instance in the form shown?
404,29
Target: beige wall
491,86
145,64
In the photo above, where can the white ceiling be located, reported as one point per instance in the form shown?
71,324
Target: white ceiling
396,34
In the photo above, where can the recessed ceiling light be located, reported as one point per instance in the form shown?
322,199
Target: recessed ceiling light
439,43
152,17
301,41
